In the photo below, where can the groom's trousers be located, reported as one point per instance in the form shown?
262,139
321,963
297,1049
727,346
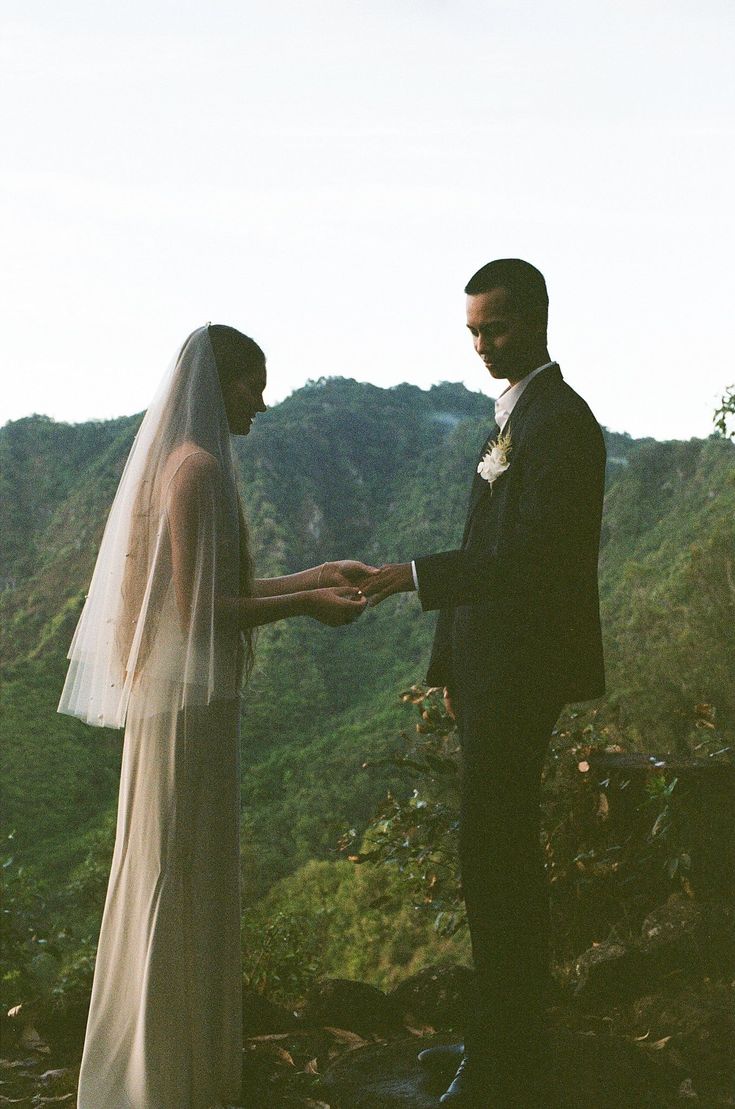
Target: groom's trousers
504,744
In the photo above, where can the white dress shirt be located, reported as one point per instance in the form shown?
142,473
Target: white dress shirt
504,405
507,400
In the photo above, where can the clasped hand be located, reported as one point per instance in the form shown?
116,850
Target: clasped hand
335,597
374,583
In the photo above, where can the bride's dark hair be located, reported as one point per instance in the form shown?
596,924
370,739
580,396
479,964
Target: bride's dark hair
234,353
237,354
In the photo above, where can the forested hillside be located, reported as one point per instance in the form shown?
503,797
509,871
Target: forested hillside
342,469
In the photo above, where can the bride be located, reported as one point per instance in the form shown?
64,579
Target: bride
163,640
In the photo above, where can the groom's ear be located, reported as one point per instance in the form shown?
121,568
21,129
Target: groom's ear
537,320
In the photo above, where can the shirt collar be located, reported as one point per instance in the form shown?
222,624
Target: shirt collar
507,400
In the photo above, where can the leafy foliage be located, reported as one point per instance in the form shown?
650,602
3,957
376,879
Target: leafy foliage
614,850
333,919
417,832
49,932
24,930
725,413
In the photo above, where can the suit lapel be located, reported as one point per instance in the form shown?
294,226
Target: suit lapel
479,484
533,390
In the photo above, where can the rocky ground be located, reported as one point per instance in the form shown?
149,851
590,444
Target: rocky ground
664,1050
639,1026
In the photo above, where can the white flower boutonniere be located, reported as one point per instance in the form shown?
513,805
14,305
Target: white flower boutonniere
495,461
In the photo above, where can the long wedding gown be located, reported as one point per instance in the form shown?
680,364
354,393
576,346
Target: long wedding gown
164,1028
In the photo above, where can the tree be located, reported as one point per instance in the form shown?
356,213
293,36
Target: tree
725,413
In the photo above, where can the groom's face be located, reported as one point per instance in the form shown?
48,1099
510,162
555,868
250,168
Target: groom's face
507,342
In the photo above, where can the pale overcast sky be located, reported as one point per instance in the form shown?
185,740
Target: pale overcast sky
326,176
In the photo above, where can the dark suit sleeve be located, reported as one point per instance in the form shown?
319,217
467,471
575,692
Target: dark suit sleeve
440,664
556,517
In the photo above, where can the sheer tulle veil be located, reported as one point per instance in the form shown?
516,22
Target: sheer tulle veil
133,639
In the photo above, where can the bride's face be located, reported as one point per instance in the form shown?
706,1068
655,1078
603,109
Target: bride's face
243,397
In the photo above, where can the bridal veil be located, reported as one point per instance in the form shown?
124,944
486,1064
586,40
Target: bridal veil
156,616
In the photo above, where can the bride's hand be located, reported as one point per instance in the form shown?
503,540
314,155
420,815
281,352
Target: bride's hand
345,572
336,606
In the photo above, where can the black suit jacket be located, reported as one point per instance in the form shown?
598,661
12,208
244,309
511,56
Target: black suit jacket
519,601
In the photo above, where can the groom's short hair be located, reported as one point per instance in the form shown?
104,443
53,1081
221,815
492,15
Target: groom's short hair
525,284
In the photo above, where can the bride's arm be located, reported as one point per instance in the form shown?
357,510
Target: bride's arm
289,584
323,593
292,582
328,606
189,502
329,574
328,592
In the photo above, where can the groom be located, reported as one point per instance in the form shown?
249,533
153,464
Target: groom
518,635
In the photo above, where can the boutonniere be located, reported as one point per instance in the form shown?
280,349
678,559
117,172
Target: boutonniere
495,461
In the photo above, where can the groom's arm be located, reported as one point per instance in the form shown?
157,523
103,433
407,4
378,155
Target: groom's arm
559,507
440,663
558,515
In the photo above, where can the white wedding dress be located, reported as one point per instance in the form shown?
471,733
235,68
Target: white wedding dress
158,649
164,1028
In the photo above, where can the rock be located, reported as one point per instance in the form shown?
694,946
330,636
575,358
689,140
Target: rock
65,1028
55,1075
436,996
30,1039
281,1071
668,940
676,916
700,1019
587,1071
608,971
382,1076
668,944
356,1006
686,1091
261,1016
601,1071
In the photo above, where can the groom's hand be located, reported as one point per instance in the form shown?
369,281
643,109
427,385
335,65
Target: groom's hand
396,577
346,572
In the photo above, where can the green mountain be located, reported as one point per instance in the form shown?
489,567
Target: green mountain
341,469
